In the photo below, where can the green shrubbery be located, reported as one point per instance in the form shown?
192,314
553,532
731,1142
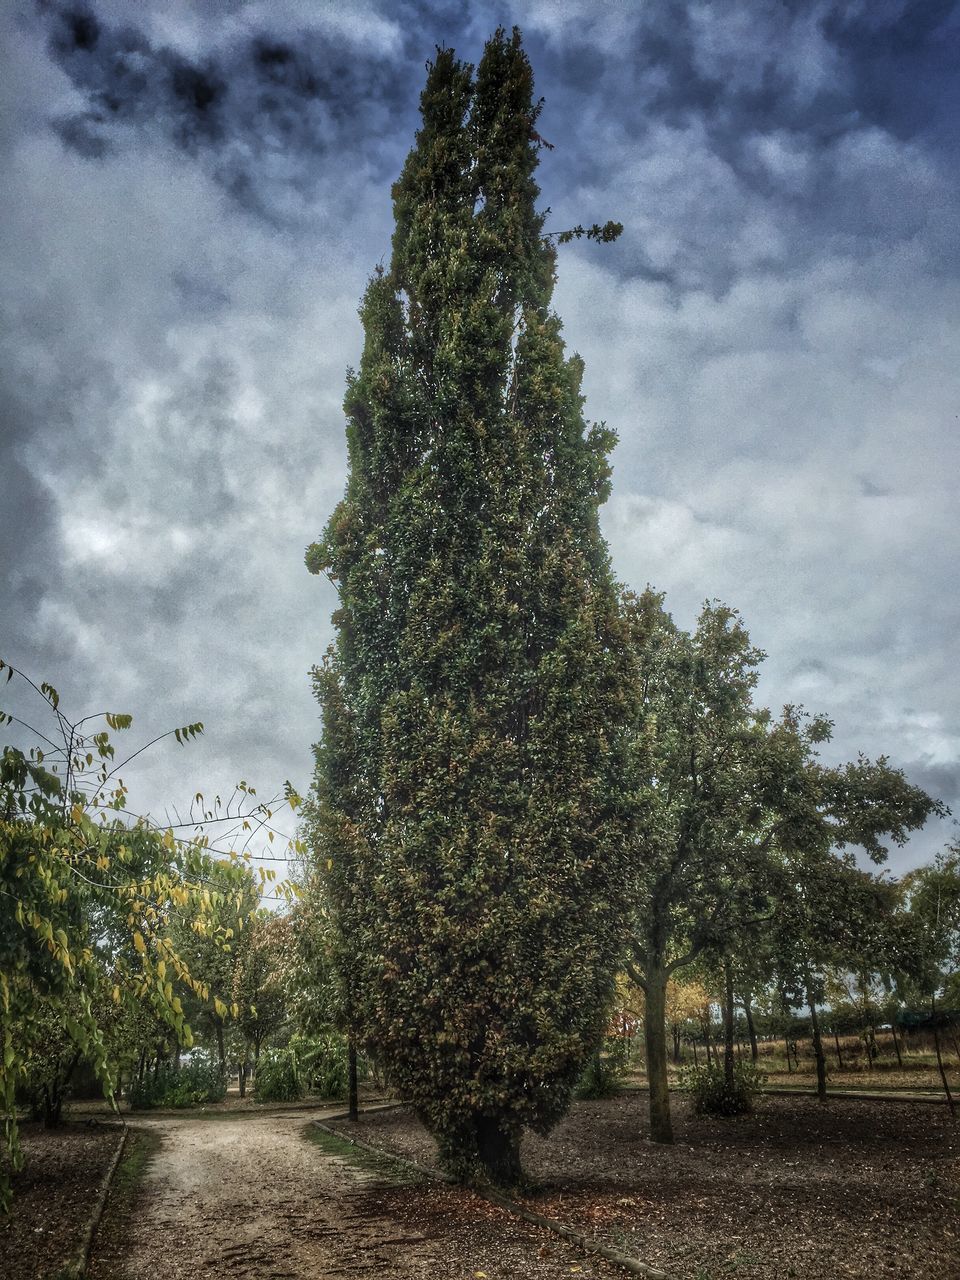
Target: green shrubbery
711,1093
314,1064
323,1061
604,1070
277,1077
201,1080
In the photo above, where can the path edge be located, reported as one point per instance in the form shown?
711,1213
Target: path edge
634,1266
78,1267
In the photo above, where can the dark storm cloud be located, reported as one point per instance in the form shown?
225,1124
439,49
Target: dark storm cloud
263,112
903,58
895,67
783,112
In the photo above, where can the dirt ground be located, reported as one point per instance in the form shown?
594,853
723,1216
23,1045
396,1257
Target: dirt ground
53,1195
264,1195
798,1190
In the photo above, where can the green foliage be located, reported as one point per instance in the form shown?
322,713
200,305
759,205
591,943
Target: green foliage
604,1070
713,1095
471,810
92,900
198,1081
743,850
277,1077
323,1062
604,234
931,954
264,959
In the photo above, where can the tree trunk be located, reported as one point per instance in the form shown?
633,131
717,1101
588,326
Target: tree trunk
896,1045
786,1045
696,1059
868,1047
836,1040
141,1067
676,1043
353,1106
499,1152
729,1069
817,1047
220,1048
943,1075
176,1056
654,1028
244,1072
53,1095
751,1029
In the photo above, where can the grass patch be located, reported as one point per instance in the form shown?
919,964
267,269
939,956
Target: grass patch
142,1146
382,1165
109,1245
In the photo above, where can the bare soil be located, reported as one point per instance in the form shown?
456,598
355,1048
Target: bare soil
266,1195
53,1197
799,1189
849,1189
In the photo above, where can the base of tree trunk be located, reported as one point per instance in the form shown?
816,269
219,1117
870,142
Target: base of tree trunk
498,1153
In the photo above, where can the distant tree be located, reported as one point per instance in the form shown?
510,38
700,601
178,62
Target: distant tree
699,858
930,963
264,956
471,794
209,936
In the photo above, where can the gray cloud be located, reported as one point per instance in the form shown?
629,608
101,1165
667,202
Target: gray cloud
264,111
193,206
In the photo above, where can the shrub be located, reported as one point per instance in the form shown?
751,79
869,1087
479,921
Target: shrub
713,1096
277,1076
323,1063
201,1080
604,1070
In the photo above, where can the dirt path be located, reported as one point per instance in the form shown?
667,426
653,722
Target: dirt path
252,1196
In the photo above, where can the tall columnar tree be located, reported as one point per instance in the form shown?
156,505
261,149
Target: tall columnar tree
470,810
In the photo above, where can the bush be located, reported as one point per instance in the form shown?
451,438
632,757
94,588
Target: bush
604,1070
713,1096
323,1063
277,1076
198,1081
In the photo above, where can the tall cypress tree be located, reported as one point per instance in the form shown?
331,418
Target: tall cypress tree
469,808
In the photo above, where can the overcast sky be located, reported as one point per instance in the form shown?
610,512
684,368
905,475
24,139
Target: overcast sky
193,198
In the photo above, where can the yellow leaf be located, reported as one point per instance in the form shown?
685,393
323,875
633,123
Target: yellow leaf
139,943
